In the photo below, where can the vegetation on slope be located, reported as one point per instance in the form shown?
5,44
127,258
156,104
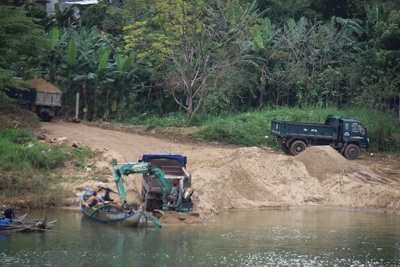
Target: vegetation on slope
30,169
253,128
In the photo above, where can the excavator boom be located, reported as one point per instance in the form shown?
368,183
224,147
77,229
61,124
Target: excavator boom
126,169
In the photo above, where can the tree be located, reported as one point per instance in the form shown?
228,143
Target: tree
379,77
262,47
304,50
202,42
87,61
21,41
280,11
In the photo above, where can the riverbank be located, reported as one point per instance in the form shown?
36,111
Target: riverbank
230,178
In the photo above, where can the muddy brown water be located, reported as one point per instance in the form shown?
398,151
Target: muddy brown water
271,237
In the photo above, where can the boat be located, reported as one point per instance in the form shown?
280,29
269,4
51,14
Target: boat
22,225
21,217
108,212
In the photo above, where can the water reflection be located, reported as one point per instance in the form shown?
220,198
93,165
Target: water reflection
293,237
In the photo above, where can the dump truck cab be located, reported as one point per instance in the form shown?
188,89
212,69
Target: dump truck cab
349,131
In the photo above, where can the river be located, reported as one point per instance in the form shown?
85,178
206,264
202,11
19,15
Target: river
271,237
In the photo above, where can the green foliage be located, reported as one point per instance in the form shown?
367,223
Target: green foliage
71,54
195,43
19,150
309,62
107,17
208,58
27,167
378,75
245,129
170,120
54,36
21,42
281,10
215,103
253,129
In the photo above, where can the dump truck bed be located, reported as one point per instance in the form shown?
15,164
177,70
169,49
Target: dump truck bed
284,129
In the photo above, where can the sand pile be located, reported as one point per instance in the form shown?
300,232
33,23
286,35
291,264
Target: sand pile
323,161
254,178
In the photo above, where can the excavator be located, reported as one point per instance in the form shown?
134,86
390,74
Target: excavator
180,202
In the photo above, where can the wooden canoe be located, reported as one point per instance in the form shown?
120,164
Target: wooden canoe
28,226
110,213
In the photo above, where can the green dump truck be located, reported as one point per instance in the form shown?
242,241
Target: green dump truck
347,136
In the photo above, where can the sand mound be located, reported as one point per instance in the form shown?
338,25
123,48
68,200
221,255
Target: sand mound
323,161
254,178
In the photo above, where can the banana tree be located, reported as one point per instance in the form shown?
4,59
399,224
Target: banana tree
103,66
121,83
262,48
92,61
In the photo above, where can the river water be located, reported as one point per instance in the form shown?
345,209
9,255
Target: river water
271,237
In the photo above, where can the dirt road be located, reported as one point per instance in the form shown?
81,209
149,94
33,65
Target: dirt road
242,178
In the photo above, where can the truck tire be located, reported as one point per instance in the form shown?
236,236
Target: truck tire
45,117
352,151
285,149
297,147
148,204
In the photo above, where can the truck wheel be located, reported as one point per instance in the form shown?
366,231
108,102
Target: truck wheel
285,149
352,151
148,204
45,117
297,147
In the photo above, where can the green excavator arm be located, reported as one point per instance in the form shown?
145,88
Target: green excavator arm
126,169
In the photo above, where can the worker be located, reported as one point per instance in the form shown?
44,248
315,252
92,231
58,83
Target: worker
3,222
173,196
93,200
9,213
106,196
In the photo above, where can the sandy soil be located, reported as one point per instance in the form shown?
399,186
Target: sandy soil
238,178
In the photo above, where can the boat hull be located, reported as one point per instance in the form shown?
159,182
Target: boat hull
110,213
27,226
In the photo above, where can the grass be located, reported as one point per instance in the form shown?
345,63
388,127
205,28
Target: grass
253,128
20,150
29,168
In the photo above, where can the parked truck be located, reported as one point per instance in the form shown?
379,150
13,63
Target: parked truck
347,136
175,174
42,97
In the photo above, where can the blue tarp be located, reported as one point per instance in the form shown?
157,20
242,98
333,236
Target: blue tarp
181,158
